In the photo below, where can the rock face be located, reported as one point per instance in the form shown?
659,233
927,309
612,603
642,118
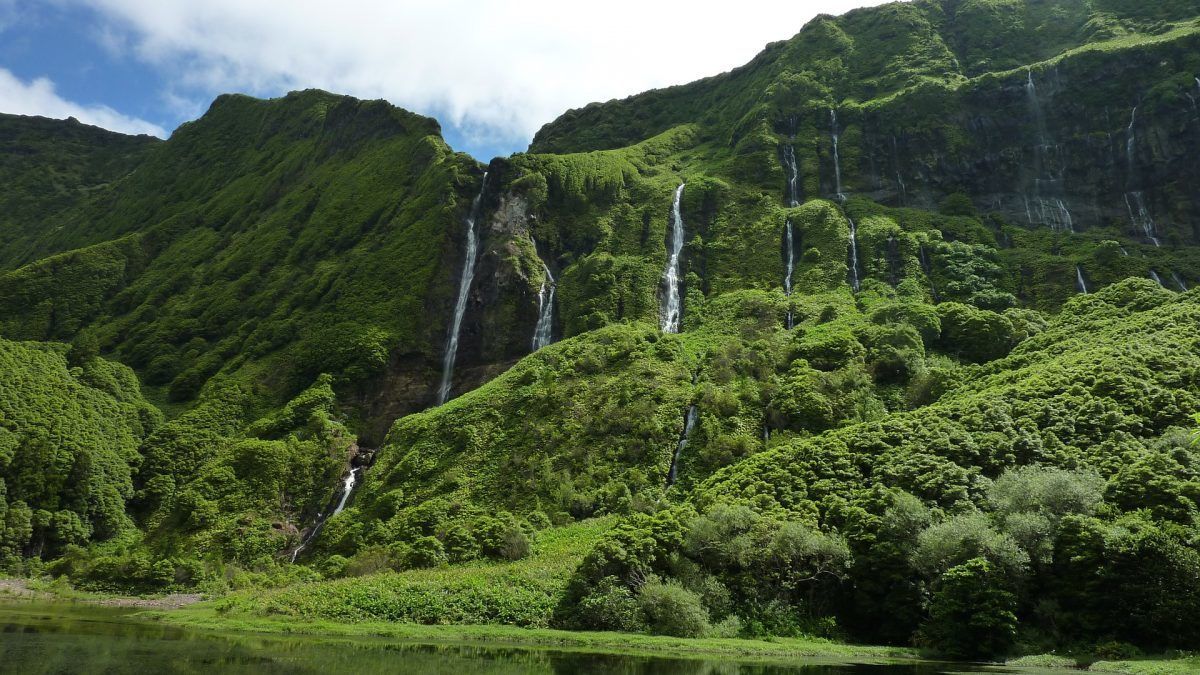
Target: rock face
1069,153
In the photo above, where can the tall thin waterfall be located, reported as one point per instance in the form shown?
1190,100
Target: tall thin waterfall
1047,184
841,196
464,290
672,306
837,157
1178,281
1157,279
542,333
1139,215
1131,139
789,161
855,283
1080,282
689,423
791,262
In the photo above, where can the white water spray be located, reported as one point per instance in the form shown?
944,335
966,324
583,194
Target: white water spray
672,308
1157,279
464,291
1080,282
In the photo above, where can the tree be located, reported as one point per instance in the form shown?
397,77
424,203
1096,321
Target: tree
671,609
972,615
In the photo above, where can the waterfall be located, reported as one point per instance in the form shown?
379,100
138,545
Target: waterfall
1157,279
1051,208
854,279
545,324
464,290
348,483
927,267
789,161
1140,217
672,308
1179,282
787,279
689,423
1124,252
899,177
837,158
1130,139
347,487
1035,106
1080,283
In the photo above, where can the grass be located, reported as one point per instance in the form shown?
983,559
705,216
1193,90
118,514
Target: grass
365,606
520,593
205,617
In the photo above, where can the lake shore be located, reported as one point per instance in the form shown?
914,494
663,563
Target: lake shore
40,590
190,611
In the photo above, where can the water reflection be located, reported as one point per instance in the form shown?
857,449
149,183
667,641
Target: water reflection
65,638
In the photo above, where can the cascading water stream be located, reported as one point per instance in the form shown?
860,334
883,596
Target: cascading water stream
348,483
1140,217
789,161
689,423
1131,139
542,333
1157,279
841,196
347,487
927,267
791,261
1051,208
1179,282
837,157
672,306
464,291
855,283
1080,282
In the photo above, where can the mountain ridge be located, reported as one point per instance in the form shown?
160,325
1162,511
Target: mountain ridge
897,313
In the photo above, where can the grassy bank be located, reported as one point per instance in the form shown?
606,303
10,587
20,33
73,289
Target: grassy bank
204,616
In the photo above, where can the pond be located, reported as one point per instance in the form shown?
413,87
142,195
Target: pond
45,637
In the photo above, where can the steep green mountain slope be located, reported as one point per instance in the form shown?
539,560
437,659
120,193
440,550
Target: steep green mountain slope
47,167
933,382
276,239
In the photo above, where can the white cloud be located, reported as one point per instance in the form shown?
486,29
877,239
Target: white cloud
501,68
39,98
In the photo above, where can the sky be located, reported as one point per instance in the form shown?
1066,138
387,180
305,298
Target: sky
491,71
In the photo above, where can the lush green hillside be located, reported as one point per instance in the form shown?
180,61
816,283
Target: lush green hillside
47,167
935,381
71,426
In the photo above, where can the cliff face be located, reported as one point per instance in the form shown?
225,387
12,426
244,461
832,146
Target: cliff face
1103,139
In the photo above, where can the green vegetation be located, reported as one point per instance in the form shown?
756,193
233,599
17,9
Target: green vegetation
987,449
